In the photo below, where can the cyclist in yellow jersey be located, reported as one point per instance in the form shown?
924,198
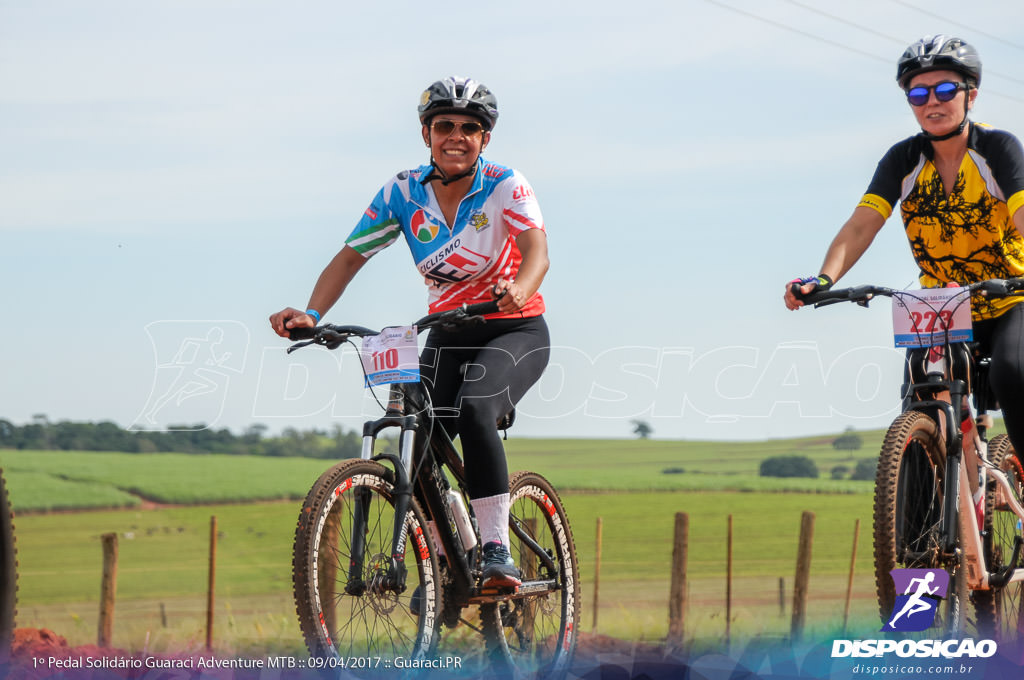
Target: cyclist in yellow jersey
960,190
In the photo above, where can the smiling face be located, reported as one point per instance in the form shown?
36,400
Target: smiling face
456,152
935,117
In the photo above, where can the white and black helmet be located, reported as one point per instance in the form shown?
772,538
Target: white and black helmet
939,52
459,95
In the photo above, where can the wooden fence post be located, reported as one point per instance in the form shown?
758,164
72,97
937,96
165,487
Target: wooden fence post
210,583
678,590
849,582
803,575
597,574
108,590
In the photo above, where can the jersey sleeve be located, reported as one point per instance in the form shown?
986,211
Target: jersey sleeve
886,186
1006,158
521,210
379,226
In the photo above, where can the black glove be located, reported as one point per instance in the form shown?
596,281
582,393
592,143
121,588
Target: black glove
822,282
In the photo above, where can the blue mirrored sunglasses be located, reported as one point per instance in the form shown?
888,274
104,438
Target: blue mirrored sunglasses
944,92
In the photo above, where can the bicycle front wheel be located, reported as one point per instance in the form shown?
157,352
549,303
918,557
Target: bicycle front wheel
537,633
1002,527
907,532
353,602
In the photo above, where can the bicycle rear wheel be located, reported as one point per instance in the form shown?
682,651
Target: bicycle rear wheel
907,510
348,605
537,634
1002,526
8,573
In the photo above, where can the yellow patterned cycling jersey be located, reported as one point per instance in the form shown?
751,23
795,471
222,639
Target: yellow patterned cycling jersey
967,235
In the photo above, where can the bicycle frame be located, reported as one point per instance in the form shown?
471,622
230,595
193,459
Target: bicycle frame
419,471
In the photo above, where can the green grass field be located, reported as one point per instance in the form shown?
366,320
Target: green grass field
163,560
163,563
61,480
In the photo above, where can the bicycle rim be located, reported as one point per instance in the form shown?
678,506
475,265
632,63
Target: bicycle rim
347,612
1002,526
537,634
907,513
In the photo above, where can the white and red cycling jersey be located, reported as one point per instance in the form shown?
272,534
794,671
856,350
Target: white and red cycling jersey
460,262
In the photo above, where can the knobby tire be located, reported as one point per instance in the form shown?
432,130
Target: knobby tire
536,636
8,574
1001,528
367,620
907,524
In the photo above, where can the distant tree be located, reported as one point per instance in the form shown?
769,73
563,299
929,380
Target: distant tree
642,429
788,466
254,433
848,441
839,472
197,438
865,469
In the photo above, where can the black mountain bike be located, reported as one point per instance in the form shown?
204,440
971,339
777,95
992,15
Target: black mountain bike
372,594
945,497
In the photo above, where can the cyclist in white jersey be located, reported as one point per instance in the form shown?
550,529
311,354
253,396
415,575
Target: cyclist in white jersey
475,232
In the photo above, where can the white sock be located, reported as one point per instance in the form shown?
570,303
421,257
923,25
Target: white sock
492,516
435,537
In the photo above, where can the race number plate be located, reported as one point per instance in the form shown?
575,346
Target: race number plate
934,316
391,357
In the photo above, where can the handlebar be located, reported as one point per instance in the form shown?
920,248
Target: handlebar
992,289
332,336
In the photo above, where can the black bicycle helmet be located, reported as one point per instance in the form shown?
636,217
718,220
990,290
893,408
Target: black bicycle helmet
939,52
459,95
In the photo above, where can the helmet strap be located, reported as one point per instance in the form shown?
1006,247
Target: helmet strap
959,129
436,173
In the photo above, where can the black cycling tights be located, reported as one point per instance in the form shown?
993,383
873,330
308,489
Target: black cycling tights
1003,339
502,359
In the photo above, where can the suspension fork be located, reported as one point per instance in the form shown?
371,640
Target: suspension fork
954,461
396,572
403,494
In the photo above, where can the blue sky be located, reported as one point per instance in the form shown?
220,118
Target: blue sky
173,172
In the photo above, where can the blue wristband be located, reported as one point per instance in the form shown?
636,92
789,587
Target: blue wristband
313,313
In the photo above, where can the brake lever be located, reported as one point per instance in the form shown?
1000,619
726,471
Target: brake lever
459,319
300,345
330,339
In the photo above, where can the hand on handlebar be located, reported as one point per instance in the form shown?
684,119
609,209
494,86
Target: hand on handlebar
509,296
284,321
799,288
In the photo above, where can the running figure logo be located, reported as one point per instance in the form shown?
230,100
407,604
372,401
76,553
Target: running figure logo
918,592
195,361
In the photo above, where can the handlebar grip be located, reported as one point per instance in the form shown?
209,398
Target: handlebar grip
819,297
301,333
482,308
810,298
